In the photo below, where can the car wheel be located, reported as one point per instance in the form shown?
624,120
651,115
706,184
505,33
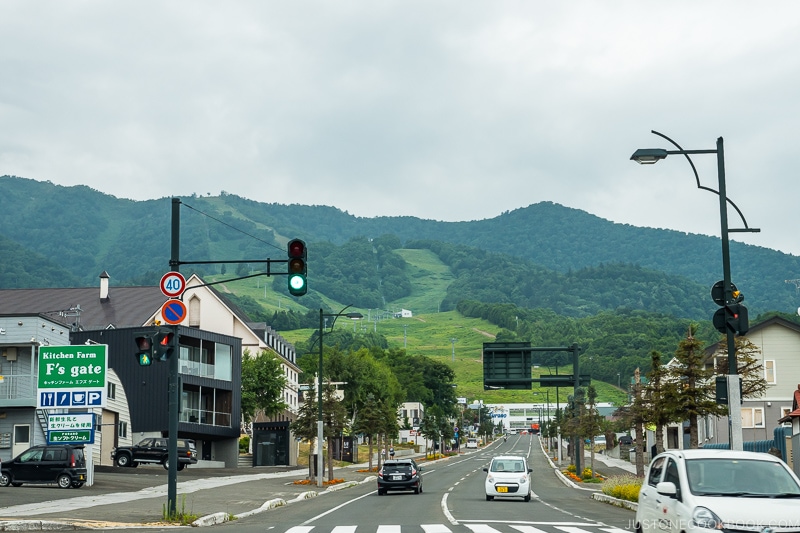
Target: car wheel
181,466
16,484
527,498
77,484
64,481
489,498
5,480
416,490
420,489
166,464
380,492
123,460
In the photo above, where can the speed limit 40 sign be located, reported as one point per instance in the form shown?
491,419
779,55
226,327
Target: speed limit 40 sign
173,284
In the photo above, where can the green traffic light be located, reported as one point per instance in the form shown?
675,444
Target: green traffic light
144,359
297,284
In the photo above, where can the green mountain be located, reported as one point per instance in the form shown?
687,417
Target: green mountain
545,255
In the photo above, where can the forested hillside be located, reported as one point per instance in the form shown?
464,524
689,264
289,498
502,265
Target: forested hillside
545,255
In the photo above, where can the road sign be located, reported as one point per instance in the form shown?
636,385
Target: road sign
718,292
72,376
173,312
173,284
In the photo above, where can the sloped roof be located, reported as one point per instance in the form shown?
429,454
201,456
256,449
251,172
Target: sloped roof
776,320
795,413
124,307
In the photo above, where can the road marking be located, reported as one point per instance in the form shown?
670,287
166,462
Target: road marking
446,511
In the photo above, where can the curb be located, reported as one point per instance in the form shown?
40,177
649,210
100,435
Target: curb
605,498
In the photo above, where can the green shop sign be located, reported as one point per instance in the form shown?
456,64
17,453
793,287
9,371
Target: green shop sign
72,376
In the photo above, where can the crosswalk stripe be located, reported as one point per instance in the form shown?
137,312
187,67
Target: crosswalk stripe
388,529
344,529
614,530
481,528
568,529
435,528
527,529
299,529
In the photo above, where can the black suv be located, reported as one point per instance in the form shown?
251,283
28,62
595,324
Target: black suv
399,474
155,450
63,464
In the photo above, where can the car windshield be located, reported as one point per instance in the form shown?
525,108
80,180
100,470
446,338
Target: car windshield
508,465
719,477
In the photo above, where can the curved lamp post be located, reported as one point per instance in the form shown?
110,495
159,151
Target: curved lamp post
320,436
649,156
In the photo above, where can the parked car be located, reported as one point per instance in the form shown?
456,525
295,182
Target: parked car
508,476
626,440
155,450
399,474
63,464
472,443
723,490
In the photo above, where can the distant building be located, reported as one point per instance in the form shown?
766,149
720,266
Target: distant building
403,313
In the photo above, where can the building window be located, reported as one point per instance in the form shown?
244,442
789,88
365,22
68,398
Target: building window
111,394
123,429
769,371
752,417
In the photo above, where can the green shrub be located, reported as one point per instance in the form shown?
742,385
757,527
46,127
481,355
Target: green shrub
571,468
587,473
244,444
625,487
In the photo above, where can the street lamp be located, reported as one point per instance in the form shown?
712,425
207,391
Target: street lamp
649,156
322,315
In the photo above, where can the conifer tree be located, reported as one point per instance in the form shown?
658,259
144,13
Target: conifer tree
690,387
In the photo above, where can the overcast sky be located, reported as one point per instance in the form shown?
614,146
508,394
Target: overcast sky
443,110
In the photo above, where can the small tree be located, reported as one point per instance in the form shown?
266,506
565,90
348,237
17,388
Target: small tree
305,425
754,385
659,411
334,417
692,390
263,383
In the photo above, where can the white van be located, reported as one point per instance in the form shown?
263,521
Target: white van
512,431
472,443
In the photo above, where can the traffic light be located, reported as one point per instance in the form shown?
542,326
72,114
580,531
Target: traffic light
298,283
144,349
732,316
162,345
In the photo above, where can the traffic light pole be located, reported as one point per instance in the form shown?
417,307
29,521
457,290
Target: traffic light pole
174,393
173,390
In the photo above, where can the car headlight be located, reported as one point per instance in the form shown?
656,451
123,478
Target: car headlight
489,478
523,479
704,517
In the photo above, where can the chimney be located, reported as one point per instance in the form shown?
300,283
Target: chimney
104,285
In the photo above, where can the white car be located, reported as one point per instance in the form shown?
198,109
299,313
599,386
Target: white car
508,476
707,490
472,443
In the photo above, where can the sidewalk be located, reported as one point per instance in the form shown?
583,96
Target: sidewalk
239,494
246,491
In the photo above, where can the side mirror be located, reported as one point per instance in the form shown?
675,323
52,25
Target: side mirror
485,469
530,470
667,488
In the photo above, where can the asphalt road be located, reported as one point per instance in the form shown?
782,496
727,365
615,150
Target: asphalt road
453,500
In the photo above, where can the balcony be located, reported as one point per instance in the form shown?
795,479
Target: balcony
209,418
18,390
